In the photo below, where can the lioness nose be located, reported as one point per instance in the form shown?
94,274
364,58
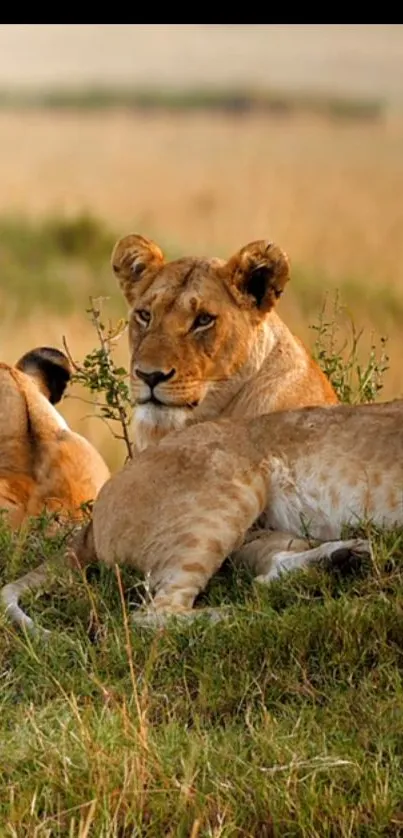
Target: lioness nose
155,377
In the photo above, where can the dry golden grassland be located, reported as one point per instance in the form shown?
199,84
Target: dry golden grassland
329,191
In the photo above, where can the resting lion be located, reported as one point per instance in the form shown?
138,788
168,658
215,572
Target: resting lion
205,339
43,464
206,343
185,504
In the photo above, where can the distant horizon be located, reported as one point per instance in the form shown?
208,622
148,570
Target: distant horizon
359,60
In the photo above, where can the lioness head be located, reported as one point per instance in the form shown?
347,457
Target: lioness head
193,324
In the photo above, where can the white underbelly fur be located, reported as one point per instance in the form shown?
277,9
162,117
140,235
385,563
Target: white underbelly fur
301,504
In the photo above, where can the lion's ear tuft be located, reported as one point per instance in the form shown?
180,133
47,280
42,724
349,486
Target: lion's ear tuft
257,274
50,368
132,256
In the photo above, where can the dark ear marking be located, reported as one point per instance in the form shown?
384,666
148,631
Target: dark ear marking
50,368
257,275
257,282
138,268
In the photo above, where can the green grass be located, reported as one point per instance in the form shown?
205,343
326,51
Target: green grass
209,99
382,304
57,263
286,719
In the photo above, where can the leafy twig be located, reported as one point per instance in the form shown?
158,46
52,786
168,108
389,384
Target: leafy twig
99,374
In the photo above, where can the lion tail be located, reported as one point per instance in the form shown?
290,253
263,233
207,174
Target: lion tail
79,553
39,579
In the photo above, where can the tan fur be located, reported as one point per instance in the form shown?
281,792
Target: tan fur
43,464
205,343
183,505
240,364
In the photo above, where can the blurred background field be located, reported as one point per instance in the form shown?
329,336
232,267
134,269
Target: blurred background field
204,137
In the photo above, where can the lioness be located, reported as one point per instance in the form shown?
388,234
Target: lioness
183,505
43,464
205,340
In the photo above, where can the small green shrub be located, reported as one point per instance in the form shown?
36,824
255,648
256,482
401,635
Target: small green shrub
355,381
99,374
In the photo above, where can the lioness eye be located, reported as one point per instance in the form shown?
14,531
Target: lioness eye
143,316
203,320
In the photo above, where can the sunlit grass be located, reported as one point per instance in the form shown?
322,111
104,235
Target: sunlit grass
285,719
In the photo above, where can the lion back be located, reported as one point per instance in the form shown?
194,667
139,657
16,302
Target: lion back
15,449
43,464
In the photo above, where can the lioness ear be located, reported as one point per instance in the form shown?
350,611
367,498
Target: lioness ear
50,369
257,274
131,257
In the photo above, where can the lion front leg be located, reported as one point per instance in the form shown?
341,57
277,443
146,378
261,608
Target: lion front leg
191,558
271,553
175,591
261,547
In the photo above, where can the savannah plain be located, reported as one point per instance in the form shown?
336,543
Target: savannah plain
286,719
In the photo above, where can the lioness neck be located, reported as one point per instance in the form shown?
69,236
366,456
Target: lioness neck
279,374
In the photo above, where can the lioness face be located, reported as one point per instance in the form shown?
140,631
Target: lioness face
192,324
